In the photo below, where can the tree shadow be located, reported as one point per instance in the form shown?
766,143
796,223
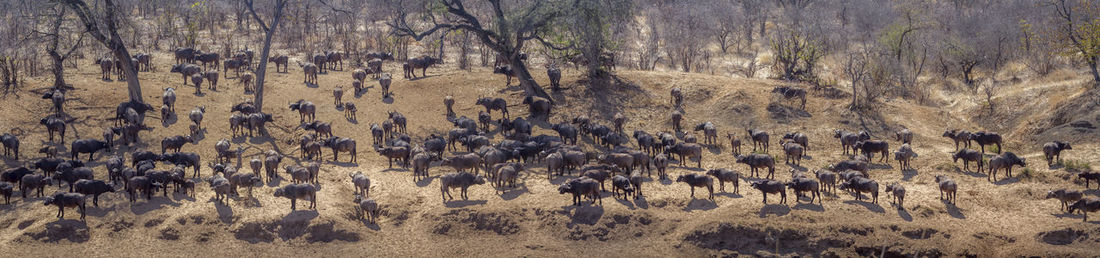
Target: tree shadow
873,207
700,204
463,203
300,216
63,226
293,225
778,210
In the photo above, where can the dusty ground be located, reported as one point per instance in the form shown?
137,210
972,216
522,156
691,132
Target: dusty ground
1007,217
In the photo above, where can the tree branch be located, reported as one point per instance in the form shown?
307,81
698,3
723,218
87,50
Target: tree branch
334,9
74,47
571,46
86,17
252,10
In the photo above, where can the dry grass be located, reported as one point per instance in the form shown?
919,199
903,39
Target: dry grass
1008,217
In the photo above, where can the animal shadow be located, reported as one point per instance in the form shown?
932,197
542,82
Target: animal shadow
157,202
778,210
463,203
587,214
873,207
953,210
808,206
424,182
700,204
908,174
514,192
1005,181
625,202
421,78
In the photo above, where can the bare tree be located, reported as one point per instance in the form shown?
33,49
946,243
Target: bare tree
506,32
649,51
590,25
728,20
684,46
989,90
269,32
1038,52
1080,31
751,65
464,48
104,28
855,68
54,47
796,54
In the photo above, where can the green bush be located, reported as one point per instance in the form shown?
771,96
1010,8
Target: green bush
947,167
1026,173
1076,165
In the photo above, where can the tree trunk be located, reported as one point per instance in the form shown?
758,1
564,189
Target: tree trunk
58,61
265,53
111,40
530,87
763,25
261,68
1095,73
58,69
854,93
13,73
464,50
967,69
132,82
